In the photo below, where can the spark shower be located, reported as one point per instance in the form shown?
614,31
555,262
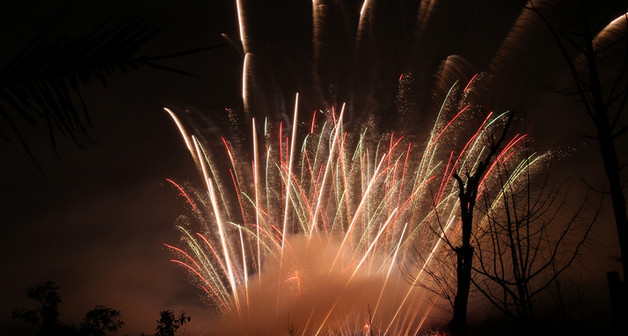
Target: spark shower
305,228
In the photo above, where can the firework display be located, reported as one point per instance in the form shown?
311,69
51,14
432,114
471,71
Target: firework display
312,231
305,228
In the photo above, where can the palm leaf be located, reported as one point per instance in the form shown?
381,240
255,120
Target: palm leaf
40,84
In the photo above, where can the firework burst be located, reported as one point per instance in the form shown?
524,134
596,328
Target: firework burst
302,228
311,231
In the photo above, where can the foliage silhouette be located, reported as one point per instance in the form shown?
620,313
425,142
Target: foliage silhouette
46,316
100,320
41,83
168,323
96,322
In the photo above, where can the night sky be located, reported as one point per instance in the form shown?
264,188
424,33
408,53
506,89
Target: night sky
95,220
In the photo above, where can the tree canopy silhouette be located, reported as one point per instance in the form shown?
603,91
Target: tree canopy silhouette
169,323
46,315
97,322
100,320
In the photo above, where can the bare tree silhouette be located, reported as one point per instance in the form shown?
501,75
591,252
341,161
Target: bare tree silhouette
596,54
452,278
468,191
525,241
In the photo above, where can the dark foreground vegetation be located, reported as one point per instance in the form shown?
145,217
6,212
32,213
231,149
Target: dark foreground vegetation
96,322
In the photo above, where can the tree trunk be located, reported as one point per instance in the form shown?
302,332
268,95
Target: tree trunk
608,151
463,271
464,253
606,141
619,292
611,168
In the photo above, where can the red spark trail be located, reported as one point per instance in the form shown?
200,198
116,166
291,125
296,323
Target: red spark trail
185,254
446,127
182,192
469,84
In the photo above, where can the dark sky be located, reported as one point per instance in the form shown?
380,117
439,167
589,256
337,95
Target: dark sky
94,221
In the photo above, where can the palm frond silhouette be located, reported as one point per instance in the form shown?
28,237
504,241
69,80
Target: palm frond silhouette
40,84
